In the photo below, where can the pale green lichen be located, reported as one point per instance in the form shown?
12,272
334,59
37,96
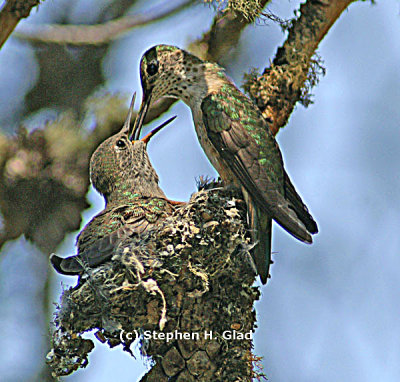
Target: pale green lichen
250,10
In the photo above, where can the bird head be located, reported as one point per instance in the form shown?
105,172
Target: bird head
166,70
120,165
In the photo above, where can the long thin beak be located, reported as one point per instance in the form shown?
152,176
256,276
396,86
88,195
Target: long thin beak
127,123
137,127
147,138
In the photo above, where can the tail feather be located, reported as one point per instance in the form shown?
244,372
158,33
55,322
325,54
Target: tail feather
261,225
70,266
299,207
262,251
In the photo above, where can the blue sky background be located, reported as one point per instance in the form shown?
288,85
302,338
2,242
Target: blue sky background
331,311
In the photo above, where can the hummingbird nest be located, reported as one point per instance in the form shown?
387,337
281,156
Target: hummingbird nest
183,290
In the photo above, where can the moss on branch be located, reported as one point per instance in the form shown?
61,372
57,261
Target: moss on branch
296,67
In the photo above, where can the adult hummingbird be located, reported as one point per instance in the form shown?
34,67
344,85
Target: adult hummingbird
236,140
121,171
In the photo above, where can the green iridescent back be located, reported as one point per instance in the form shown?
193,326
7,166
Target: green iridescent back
241,110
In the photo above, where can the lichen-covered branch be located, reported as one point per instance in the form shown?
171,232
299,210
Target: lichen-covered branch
10,15
189,280
295,68
44,175
226,30
95,34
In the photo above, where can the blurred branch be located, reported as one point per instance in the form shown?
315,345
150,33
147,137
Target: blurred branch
225,33
44,375
67,76
79,71
44,175
295,68
95,34
11,14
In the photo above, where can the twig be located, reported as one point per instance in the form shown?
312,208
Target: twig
225,33
94,34
11,14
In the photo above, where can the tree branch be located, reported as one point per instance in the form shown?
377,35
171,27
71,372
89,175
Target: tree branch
224,34
95,34
44,375
284,83
11,14
44,175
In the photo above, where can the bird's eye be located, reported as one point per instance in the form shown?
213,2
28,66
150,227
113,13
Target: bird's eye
152,68
120,143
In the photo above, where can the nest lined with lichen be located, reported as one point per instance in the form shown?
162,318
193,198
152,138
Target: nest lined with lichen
192,274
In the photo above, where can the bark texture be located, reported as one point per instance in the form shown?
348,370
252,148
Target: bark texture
295,68
10,15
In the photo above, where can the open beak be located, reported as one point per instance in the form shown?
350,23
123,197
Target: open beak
147,138
134,133
127,123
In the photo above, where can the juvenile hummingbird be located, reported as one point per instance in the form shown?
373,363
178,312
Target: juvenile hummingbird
121,171
236,140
